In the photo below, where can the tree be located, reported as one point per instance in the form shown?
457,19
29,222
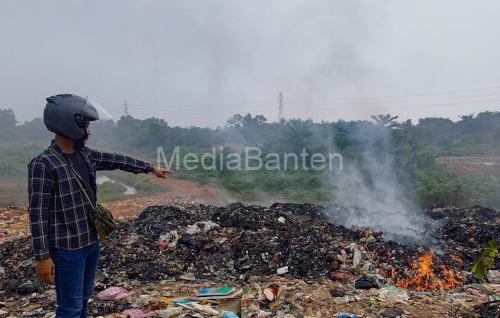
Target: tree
297,135
341,135
7,118
247,121
385,120
235,121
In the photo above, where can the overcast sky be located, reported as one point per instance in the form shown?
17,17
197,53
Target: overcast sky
198,62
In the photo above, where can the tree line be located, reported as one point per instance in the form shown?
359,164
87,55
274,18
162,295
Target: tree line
410,148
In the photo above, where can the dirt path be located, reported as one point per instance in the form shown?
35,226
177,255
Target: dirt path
483,166
177,189
14,220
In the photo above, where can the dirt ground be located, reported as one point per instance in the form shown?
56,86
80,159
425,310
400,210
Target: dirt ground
178,190
13,192
483,166
14,220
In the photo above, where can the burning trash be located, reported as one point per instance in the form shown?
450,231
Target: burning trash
426,275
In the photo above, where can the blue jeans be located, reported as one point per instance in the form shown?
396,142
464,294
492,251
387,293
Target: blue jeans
74,279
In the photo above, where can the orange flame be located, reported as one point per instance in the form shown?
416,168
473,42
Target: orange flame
422,277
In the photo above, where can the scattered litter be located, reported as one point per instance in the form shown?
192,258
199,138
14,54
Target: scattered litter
203,309
221,291
229,314
282,270
343,300
356,259
200,227
135,313
112,293
169,240
494,276
393,295
392,313
341,277
321,294
344,315
337,292
366,282
188,276
170,312
273,293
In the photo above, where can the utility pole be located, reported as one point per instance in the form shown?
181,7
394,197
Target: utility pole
125,108
281,103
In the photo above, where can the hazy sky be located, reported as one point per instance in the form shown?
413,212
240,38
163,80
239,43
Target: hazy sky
198,62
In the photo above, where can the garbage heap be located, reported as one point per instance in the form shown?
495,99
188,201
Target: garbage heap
237,242
465,232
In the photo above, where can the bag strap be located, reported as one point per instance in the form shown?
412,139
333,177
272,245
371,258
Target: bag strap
82,188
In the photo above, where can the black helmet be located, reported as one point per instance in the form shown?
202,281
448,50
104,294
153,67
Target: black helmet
68,114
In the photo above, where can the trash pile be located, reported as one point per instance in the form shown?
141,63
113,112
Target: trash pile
13,222
225,243
237,242
272,255
465,232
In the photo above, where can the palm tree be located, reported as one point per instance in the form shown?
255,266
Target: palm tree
385,120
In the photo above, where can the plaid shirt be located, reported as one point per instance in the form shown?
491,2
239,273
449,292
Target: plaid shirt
58,210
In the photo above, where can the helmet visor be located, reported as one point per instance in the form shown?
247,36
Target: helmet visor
102,113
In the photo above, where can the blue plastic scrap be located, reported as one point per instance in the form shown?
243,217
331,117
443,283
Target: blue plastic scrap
344,315
229,314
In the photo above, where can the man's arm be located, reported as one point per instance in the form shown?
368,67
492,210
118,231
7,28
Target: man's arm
113,161
40,185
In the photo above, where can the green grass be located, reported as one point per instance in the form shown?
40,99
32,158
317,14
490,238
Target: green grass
437,186
144,184
14,161
109,191
293,186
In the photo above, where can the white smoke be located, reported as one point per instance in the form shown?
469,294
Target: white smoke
371,194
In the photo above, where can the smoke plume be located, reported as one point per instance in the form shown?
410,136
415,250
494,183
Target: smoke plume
370,193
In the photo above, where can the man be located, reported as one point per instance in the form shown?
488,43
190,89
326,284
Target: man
65,242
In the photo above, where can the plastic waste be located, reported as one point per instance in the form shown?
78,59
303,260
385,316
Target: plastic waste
170,312
494,276
344,315
229,314
169,240
356,259
203,226
112,293
135,313
366,282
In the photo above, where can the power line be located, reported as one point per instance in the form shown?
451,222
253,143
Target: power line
361,98
336,106
348,103
332,106
268,102
364,102
162,112
204,109
201,105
